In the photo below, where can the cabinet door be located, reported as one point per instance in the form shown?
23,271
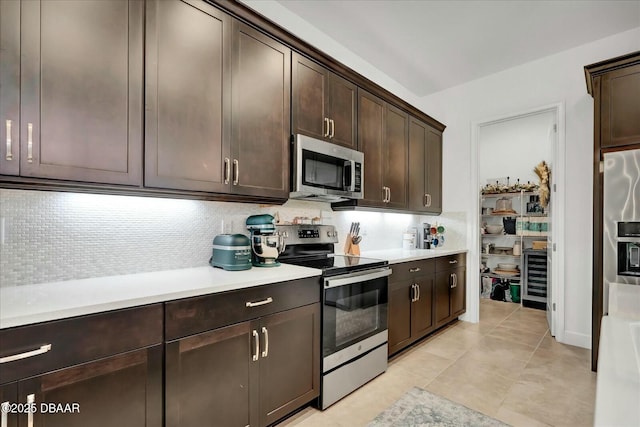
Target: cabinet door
421,310
418,174
459,292
433,168
620,107
371,137
289,361
310,96
400,295
188,84
207,377
9,87
442,304
396,156
261,88
117,391
81,90
8,396
342,111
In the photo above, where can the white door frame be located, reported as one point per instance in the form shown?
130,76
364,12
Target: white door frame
557,216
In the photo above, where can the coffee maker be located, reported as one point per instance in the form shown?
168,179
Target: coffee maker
266,244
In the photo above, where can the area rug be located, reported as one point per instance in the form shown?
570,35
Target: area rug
421,408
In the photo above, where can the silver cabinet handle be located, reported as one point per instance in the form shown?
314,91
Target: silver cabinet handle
384,194
455,261
9,154
428,200
259,303
414,270
424,200
389,194
333,128
326,126
265,352
455,280
418,290
31,399
30,142
451,280
227,165
43,349
256,342
413,293
4,409
236,171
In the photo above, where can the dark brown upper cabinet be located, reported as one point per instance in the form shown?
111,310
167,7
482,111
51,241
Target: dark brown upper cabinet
188,103
79,95
324,104
220,124
620,107
260,114
425,168
383,137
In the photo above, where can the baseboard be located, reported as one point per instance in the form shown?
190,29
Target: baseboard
577,339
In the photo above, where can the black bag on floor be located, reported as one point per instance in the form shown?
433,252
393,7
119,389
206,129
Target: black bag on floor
497,293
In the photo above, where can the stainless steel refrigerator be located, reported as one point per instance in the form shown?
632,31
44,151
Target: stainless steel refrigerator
621,220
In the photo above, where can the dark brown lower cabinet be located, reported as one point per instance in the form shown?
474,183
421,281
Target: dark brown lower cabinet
410,314
247,374
450,295
117,391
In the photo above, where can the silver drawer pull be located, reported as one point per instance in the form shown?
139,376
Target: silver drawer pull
226,170
259,303
236,171
455,261
3,414
31,400
265,332
30,142
414,270
256,341
43,349
9,155
326,126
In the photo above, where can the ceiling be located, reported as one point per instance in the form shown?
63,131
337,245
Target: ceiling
428,45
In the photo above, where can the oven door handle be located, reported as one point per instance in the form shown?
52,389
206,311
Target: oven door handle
357,277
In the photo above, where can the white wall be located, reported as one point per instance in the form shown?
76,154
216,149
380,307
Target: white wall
512,148
557,78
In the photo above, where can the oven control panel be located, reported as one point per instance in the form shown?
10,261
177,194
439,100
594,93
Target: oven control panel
308,233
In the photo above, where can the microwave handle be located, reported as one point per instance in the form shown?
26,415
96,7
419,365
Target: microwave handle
352,187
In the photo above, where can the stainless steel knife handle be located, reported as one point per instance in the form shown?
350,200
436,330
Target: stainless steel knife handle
265,332
30,142
259,303
227,166
236,171
256,341
326,126
31,400
9,155
43,349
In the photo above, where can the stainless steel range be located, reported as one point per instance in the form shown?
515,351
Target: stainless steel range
354,311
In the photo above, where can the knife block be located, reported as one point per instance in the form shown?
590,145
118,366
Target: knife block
349,247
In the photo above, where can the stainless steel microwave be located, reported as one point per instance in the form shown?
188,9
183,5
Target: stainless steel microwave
326,172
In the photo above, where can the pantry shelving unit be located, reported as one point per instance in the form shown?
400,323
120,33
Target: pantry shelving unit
505,242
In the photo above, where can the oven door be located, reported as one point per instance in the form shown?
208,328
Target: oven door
354,314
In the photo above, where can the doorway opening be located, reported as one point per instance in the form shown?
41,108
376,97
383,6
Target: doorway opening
506,149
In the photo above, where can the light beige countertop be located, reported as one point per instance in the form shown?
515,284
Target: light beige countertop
398,255
23,305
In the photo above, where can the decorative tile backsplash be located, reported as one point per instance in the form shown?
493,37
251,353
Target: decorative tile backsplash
56,236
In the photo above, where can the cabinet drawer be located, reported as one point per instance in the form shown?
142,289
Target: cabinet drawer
194,315
451,261
408,270
77,340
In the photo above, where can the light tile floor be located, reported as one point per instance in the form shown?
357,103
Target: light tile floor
507,366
